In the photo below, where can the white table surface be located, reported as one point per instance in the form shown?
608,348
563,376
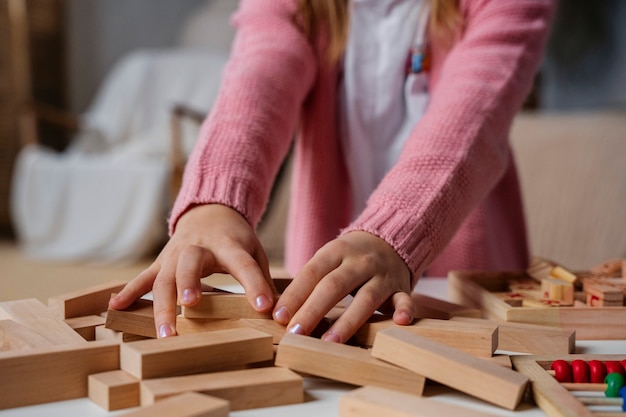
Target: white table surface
322,396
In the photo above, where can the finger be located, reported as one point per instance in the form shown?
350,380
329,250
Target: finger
301,287
404,308
328,292
136,288
364,304
192,261
164,294
256,283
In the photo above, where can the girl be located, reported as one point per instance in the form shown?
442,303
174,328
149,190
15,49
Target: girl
402,164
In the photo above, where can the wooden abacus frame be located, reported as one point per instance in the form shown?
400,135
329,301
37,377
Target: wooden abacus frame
550,395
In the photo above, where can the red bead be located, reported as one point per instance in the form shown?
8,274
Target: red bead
614,366
562,371
580,371
597,372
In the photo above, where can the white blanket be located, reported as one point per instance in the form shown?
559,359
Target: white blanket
106,197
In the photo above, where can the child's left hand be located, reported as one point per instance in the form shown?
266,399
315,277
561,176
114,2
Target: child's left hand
357,261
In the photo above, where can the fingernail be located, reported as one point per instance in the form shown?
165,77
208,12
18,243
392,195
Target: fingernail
190,296
262,303
403,317
282,315
165,330
296,329
331,337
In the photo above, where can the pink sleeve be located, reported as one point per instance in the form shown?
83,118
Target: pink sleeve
459,150
248,132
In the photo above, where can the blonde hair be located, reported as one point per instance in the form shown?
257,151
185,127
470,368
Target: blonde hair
445,19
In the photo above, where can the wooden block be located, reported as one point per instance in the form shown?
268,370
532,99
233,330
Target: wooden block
609,268
557,290
55,373
245,389
344,363
187,326
478,338
189,404
540,268
531,338
563,274
137,319
451,367
85,302
219,305
14,336
114,390
434,308
195,353
376,402
37,318
601,294
86,325
102,333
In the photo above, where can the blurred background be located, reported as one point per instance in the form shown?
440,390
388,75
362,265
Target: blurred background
100,101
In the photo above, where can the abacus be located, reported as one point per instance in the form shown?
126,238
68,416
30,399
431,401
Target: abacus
576,385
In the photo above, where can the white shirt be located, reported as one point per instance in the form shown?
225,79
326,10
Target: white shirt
380,103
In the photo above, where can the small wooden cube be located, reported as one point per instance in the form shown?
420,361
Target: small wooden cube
114,390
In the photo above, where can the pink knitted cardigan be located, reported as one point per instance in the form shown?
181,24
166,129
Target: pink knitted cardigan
451,202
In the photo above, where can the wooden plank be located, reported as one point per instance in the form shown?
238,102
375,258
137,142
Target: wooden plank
476,337
55,373
102,333
219,305
137,319
376,402
195,353
114,390
86,325
189,404
451,367
84,302
530,338
344,363
36,317
14,336
188,326
245,389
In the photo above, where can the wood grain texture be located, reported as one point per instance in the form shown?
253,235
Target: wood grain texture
137,319
451,367
189,404
84,302
186,325
114,390
344,363
219,305
195,353
245,389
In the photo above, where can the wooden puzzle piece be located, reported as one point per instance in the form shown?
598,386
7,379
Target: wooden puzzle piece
189,404
219,305
244,389
114,390
451,367
376,402
84,302
137,319
195,353
54,373
86,325
344,363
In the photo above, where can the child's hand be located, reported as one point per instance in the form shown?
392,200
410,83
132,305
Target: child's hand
356,261
208,238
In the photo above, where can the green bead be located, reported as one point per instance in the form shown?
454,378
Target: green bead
614,381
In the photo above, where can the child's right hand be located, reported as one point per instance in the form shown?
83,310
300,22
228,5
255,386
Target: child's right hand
208,238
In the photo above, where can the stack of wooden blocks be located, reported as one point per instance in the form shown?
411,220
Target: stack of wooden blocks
229,357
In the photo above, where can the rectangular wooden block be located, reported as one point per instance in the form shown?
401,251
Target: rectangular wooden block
102,333
56,373
114,390
377,402
137,319
33,315
245,389
189,404
530,338
344,363
185,325
478,338
84,302
219,305
86,325
428,307
195,353
451,367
